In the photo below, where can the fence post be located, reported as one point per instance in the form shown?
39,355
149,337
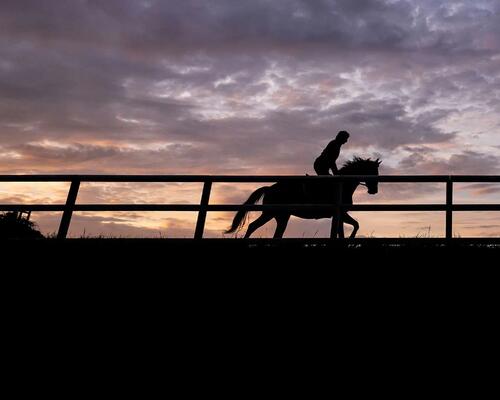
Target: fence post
449,208
68,209
202,214
337,224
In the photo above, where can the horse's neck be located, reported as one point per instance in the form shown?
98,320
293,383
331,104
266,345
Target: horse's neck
351,185
348,189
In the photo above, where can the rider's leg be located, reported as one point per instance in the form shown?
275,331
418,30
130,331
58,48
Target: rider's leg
320,167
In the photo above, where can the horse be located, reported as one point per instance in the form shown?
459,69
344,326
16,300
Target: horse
313,191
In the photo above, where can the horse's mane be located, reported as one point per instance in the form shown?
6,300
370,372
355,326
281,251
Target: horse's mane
355,164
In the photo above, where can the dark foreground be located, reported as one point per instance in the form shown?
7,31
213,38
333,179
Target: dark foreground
221,291
184,270
308,254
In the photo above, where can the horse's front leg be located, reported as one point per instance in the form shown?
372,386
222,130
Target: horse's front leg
282,222
351,221
341,229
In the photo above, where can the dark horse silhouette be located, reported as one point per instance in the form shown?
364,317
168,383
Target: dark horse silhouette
315,191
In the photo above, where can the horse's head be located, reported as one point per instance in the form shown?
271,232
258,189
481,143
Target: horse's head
361,166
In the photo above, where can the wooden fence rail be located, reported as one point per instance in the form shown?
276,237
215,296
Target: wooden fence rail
207,180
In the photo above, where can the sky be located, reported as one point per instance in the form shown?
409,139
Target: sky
249,87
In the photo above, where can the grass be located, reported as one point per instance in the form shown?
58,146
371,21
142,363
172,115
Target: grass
13,227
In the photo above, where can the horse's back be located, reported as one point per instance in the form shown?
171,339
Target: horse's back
313,191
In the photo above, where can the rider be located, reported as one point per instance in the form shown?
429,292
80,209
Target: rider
329,155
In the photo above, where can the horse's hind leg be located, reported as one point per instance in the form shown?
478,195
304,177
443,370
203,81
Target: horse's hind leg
264,218
282,222
351,221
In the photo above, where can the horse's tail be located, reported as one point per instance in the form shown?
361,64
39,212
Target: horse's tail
239,218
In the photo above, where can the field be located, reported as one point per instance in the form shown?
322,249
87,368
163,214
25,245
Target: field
361,283
215,253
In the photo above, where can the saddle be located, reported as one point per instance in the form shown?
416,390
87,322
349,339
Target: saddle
314,192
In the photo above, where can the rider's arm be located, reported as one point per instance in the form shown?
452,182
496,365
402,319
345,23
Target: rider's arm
333,154
333,166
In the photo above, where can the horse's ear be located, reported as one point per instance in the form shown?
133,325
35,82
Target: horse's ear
378,161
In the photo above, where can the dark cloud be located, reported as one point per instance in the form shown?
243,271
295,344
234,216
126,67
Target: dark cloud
465,163
226,25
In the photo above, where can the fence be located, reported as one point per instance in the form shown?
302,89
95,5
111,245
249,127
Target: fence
71,206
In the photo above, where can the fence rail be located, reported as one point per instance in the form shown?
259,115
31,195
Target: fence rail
207,180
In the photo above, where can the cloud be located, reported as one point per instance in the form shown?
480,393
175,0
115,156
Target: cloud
224,25
259,76
484,188
125,80
467,162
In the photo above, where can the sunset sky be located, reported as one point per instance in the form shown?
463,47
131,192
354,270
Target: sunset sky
248,87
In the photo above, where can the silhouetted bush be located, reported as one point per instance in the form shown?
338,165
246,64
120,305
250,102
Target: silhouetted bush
12,227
